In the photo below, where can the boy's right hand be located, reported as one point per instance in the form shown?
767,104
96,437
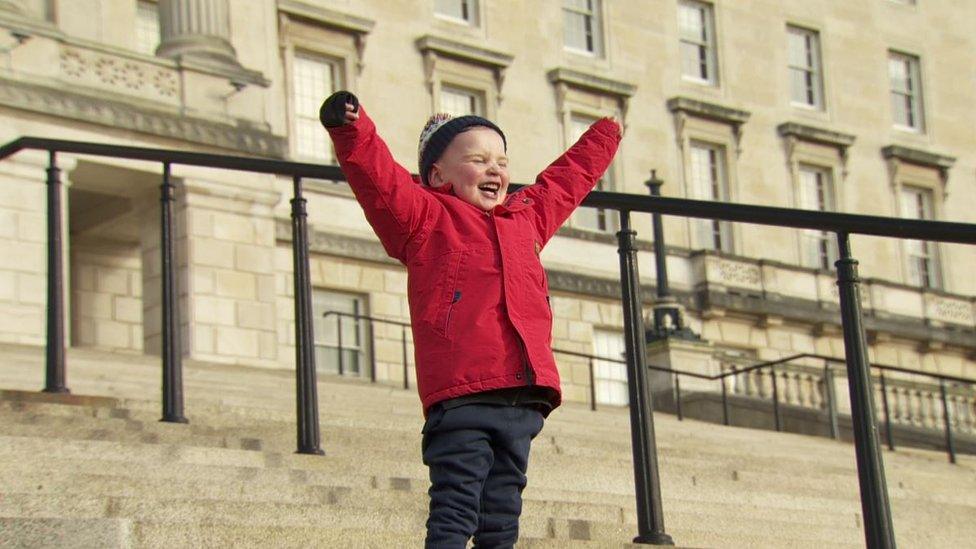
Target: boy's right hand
340,108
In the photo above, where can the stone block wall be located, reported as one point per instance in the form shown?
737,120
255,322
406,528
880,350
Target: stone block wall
23,247
106,297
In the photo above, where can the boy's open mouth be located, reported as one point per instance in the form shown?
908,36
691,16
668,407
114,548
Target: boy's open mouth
489,189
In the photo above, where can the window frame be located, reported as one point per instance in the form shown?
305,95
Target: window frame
814,70
915,93
137,27
472,6
597,34
709,43
335,67
722,238
604,385
477,97
932,278
826,244
360,343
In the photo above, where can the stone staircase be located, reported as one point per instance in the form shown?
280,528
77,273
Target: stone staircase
100,470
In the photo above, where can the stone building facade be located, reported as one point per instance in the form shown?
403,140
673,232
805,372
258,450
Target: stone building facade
862,107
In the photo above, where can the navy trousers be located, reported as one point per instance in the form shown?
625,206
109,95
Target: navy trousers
477,455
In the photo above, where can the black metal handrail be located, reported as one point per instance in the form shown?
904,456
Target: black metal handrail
592,359
650,519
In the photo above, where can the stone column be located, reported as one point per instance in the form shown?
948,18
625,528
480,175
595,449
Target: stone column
196,29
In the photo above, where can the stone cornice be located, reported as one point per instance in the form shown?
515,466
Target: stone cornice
345,22
710,111
592,82
917,156
54,100
478,55
816,135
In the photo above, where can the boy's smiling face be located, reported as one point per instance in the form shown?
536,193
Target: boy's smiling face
476,166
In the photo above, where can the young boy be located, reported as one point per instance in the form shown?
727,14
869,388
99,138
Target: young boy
479,303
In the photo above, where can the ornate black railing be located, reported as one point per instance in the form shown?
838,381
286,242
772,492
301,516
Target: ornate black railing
874,497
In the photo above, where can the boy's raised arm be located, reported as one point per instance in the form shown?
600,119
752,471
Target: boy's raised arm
395,205
562,186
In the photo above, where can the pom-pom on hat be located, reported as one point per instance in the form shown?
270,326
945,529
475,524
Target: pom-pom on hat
438,133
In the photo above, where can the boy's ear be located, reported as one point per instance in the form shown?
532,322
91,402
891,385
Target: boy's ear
434,178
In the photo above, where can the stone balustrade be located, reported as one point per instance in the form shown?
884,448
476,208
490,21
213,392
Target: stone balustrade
911,402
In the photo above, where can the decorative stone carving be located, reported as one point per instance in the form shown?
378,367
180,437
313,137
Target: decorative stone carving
434,47
685,106
118,74
734,273
54,100
950,310
562,77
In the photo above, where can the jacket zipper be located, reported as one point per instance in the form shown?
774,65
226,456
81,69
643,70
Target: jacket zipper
450,309
527,371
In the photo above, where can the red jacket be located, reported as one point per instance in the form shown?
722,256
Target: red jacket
479,298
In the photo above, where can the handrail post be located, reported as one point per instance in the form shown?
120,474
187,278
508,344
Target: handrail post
339,337
831,401
725,401
172,348
54,372
592,385
647,484
878,531
306,384
406,367
947,419
889,433
677,396
372,353
776,416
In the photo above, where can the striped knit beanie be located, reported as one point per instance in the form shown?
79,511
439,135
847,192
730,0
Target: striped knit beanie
438,133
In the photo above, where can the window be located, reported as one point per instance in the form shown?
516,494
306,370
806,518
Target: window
806,83
818,248
461,102
582,26
610,377
709,181
458,11
147,27
697,30
329,330
593,219
923,268
906,91
313,79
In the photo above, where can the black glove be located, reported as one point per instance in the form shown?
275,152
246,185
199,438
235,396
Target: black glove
333,111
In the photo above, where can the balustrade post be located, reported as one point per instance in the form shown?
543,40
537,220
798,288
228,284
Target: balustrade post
947,420
406,366
889,433
878,531
592,385
647,483
306,384
54,371
776,417
172,348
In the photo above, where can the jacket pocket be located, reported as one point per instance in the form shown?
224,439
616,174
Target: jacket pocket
449,294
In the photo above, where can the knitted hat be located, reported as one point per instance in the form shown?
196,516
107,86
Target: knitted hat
438,133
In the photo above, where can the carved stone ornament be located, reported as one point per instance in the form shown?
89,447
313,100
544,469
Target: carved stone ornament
563,78
898,153
127,76
686,106
358,27
734,273
55,100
